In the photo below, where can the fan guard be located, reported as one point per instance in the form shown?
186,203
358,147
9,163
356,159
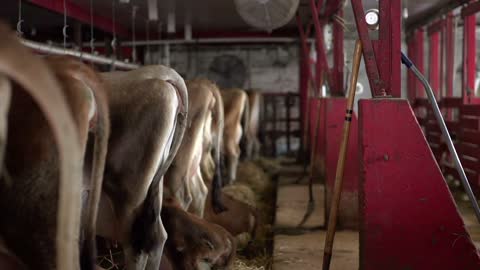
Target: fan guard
267,14
228,71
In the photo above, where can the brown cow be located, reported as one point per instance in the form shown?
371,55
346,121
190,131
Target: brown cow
238,217
183,179
253,143
43,160
5,93
212,149
88,102
193,241
235,103
148,108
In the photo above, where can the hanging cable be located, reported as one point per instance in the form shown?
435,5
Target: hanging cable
20,20
114,39
134,45
92,39
113,44
65,26
147,28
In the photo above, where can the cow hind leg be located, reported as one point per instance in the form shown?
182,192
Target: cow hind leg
134,260
155,256
4,105
232,168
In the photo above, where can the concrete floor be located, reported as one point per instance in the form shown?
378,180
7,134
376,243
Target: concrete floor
304,250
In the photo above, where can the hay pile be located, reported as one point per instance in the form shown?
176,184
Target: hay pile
241,192
257,177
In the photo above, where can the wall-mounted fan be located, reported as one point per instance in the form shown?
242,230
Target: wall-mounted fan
267,14
228,71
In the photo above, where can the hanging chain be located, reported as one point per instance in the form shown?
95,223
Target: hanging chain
114,39
92,39
134,45
20,20
65,26
147,28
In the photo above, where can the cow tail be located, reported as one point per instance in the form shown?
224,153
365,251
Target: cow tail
144,234
102,133
245,122
35,77
217,183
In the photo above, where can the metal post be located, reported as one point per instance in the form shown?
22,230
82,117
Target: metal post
434,64
338,56
469,58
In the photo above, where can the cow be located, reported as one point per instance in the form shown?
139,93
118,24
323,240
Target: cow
42,176
235,103
5,93
193,241
237,217
212,149
148,110
88,101
183,179
255,100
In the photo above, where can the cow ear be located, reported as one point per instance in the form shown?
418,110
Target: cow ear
208,243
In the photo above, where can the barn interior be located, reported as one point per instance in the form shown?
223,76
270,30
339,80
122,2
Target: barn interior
357,141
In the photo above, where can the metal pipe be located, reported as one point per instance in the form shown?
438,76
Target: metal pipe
438,115
44,48
213,41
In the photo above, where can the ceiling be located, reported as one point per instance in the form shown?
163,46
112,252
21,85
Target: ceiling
206,15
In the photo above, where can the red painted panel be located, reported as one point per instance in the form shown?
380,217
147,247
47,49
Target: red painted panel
469,164
450,102
314,114
470,137
334,111
401,193
468,150
473,110
470,123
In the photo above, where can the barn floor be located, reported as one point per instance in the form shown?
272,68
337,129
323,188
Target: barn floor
304,250
294,249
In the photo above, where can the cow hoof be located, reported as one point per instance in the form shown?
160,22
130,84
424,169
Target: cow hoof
202,265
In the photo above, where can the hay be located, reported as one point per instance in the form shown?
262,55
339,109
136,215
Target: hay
241,192
270,166
242,265
258,254
253,176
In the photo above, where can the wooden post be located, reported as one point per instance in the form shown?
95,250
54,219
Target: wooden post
332,221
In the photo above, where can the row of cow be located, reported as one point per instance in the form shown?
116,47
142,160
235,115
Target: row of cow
134,157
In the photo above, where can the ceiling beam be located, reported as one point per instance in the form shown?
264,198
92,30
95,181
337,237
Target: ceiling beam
432,14
83,15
